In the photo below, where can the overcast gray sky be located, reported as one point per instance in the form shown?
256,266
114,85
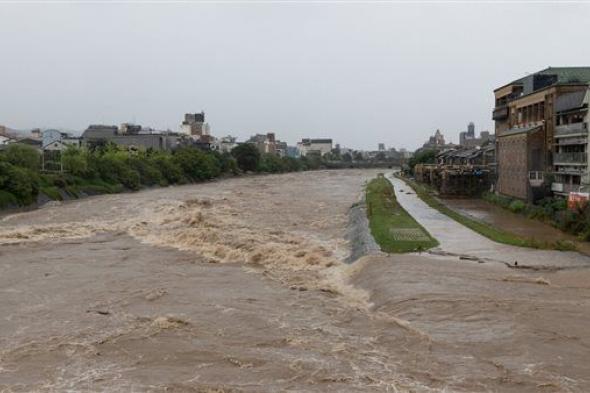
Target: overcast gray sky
359,73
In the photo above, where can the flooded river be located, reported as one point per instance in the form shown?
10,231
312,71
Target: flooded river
241,285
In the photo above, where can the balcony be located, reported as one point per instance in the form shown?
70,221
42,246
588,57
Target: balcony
500,113
572,140
565,188
571,129
580,158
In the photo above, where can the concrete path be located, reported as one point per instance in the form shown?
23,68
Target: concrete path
455,238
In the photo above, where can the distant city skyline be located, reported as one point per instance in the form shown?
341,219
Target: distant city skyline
361,74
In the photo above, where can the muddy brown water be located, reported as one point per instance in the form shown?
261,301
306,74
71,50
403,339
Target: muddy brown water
241,286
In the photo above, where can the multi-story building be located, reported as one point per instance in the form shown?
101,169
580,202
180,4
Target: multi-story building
525,120
195,126
314,146
96,135
265,143
224,144
570,158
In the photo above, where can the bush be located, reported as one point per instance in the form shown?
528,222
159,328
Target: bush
170,170
196,164
516,206
23,156
75,161
247,156
149,174
270,163
22,183
7,199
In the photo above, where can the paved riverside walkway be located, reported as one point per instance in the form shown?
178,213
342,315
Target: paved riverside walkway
454,238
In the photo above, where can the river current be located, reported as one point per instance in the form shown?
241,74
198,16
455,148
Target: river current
247,285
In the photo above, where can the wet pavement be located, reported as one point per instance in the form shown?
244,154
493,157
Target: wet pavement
514,223
242,285
457,239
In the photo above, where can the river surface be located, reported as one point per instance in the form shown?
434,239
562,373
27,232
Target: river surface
242,285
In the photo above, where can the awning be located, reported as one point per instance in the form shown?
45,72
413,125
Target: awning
520,130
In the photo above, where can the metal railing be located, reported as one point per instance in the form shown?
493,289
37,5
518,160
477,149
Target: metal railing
571,129
565,187
570,158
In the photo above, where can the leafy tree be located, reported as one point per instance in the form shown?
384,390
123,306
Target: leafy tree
75,161
247,156
270,163
422,157
23,156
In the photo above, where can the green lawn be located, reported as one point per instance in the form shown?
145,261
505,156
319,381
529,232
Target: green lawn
392,227
483,228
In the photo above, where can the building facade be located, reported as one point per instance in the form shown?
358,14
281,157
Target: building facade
314,146
525,122
570,159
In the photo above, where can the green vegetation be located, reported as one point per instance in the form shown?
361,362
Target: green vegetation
422,157
485,229
112,169
552,211
392,227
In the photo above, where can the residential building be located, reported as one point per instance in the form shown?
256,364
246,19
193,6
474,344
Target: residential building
194,125
224,144
381,147
570,158
58,140
525,121
319,146
101,134
266,143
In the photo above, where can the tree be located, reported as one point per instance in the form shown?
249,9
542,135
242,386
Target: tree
75,161
247,156
422,157
23,156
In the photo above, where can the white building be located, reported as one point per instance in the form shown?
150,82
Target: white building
224,144
57,140
317,146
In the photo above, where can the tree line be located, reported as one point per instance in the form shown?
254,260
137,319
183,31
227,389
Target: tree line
111,169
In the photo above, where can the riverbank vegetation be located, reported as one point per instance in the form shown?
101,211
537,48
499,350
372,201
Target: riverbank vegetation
483,228
393,228
112,169
552,211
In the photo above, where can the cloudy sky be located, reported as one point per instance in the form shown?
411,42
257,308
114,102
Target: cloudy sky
359,73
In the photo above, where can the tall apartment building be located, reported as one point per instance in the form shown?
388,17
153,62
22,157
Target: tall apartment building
570,159
525,126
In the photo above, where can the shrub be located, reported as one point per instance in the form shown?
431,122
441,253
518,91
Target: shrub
270,163
516,206
169,168
196,164
23,156
7,199
75,161
22,183
149,174
247,156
